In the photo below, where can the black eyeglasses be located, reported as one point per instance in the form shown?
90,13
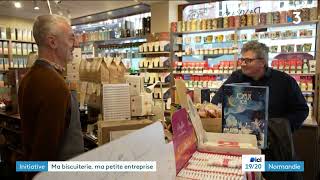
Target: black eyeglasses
248,60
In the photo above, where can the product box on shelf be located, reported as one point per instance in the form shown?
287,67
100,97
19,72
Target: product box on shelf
116,102
136,84
106,127
141,105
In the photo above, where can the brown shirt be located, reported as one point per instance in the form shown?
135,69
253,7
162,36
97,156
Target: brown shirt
44,105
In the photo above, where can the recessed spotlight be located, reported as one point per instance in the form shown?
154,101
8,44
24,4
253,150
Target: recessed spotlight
73,27
136,7
110,12
17,4
35,5
89,17
83,31
89,25
101,22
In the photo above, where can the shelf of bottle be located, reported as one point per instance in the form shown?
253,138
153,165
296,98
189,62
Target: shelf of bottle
246,27
292,52
304,74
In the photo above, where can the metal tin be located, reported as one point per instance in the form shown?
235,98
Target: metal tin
209,24
249,19
189,23
255,19
184,24
193,25
214,24
198,25
283,17
179,26
220,22
305,14
269,18
276,17
174,26
225,22
243,20
263,18
231,21
204,24
237,21
289,16
313,14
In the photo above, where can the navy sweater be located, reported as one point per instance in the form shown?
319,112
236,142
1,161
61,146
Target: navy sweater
285,97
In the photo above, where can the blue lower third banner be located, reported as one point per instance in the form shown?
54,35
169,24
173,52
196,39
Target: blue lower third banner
284,166
31,166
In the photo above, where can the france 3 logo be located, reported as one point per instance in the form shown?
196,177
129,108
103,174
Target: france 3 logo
253,163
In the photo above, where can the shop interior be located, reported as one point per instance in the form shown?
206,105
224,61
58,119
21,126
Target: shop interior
152,59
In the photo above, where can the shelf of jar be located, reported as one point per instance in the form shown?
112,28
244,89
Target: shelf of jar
246,27
247,40
202,74
211,55
297,52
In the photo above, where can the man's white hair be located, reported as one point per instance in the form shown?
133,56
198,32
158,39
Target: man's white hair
46,24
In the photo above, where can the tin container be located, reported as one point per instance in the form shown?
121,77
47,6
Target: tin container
231,21
263,18
220,22
249,19
214,24
237,21
313,14
283,17
204,24
276,17
243,20
189,24
255,19
193,25
179,26
269,18
305,14
225,22
289,16
209,24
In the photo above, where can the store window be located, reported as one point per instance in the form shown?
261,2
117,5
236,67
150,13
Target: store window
237,8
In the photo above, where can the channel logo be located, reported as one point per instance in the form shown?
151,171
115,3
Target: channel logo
253,162
255,159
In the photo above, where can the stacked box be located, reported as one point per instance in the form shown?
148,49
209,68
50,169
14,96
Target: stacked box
116,102
141,105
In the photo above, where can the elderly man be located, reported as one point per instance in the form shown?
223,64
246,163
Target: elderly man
48,109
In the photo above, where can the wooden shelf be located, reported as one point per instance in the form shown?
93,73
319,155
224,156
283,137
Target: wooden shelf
247,27
159,52
115,40
212,55
306,74
155,68
18,41
204,74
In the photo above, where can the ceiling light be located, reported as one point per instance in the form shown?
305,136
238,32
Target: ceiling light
89,17
17,4
73,27
89,25
136,7
101,22
83,31
35,5
110,12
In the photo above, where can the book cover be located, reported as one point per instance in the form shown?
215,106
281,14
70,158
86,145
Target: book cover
245,111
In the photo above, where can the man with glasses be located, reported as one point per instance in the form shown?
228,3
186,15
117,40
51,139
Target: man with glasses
48,109
287,106
285,97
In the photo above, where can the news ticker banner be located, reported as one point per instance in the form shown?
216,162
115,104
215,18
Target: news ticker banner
250,163
86,166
